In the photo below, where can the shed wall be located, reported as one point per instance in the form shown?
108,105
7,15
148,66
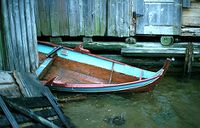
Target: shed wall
85,17
18,33
191,15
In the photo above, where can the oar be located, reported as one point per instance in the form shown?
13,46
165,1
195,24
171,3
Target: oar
30,114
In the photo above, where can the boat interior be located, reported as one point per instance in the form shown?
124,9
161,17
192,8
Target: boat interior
73,72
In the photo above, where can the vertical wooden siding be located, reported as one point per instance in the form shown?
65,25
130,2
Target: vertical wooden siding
85,17
19,37
1,44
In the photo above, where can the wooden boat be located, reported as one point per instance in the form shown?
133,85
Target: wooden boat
77,70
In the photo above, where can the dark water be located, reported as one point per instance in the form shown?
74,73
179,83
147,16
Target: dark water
174,103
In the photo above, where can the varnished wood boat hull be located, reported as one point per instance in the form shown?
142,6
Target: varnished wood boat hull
73,71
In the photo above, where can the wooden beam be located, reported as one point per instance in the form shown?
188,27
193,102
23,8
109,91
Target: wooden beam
8,114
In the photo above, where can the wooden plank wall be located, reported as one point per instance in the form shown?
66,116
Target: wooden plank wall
1,47
191,16
85,17
18,35
1,50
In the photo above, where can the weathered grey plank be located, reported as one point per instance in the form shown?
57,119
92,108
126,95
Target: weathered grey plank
44,17
63,18
118,20
190,31
103,9
89,13
34,37
126,21
30,38
29,33
111,18
13,34
18,32
7,36
24,36
54,16
5,77
97,17
73,17
9,90
132,17
99,14
81,17
37,17
1,47
87,17
18,45
191,15
186,3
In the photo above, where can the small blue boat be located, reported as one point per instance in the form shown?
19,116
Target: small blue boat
77,70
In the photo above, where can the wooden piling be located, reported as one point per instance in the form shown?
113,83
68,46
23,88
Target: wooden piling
18,37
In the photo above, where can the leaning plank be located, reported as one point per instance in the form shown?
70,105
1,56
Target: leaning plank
28,84
52,100
8,114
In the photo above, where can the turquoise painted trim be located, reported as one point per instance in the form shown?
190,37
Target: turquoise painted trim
43,66
105,89
95,61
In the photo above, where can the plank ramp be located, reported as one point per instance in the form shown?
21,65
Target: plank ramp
33,99
38,105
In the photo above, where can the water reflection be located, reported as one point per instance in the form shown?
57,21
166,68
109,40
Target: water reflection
174,103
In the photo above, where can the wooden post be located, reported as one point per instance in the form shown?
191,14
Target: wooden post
18,37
